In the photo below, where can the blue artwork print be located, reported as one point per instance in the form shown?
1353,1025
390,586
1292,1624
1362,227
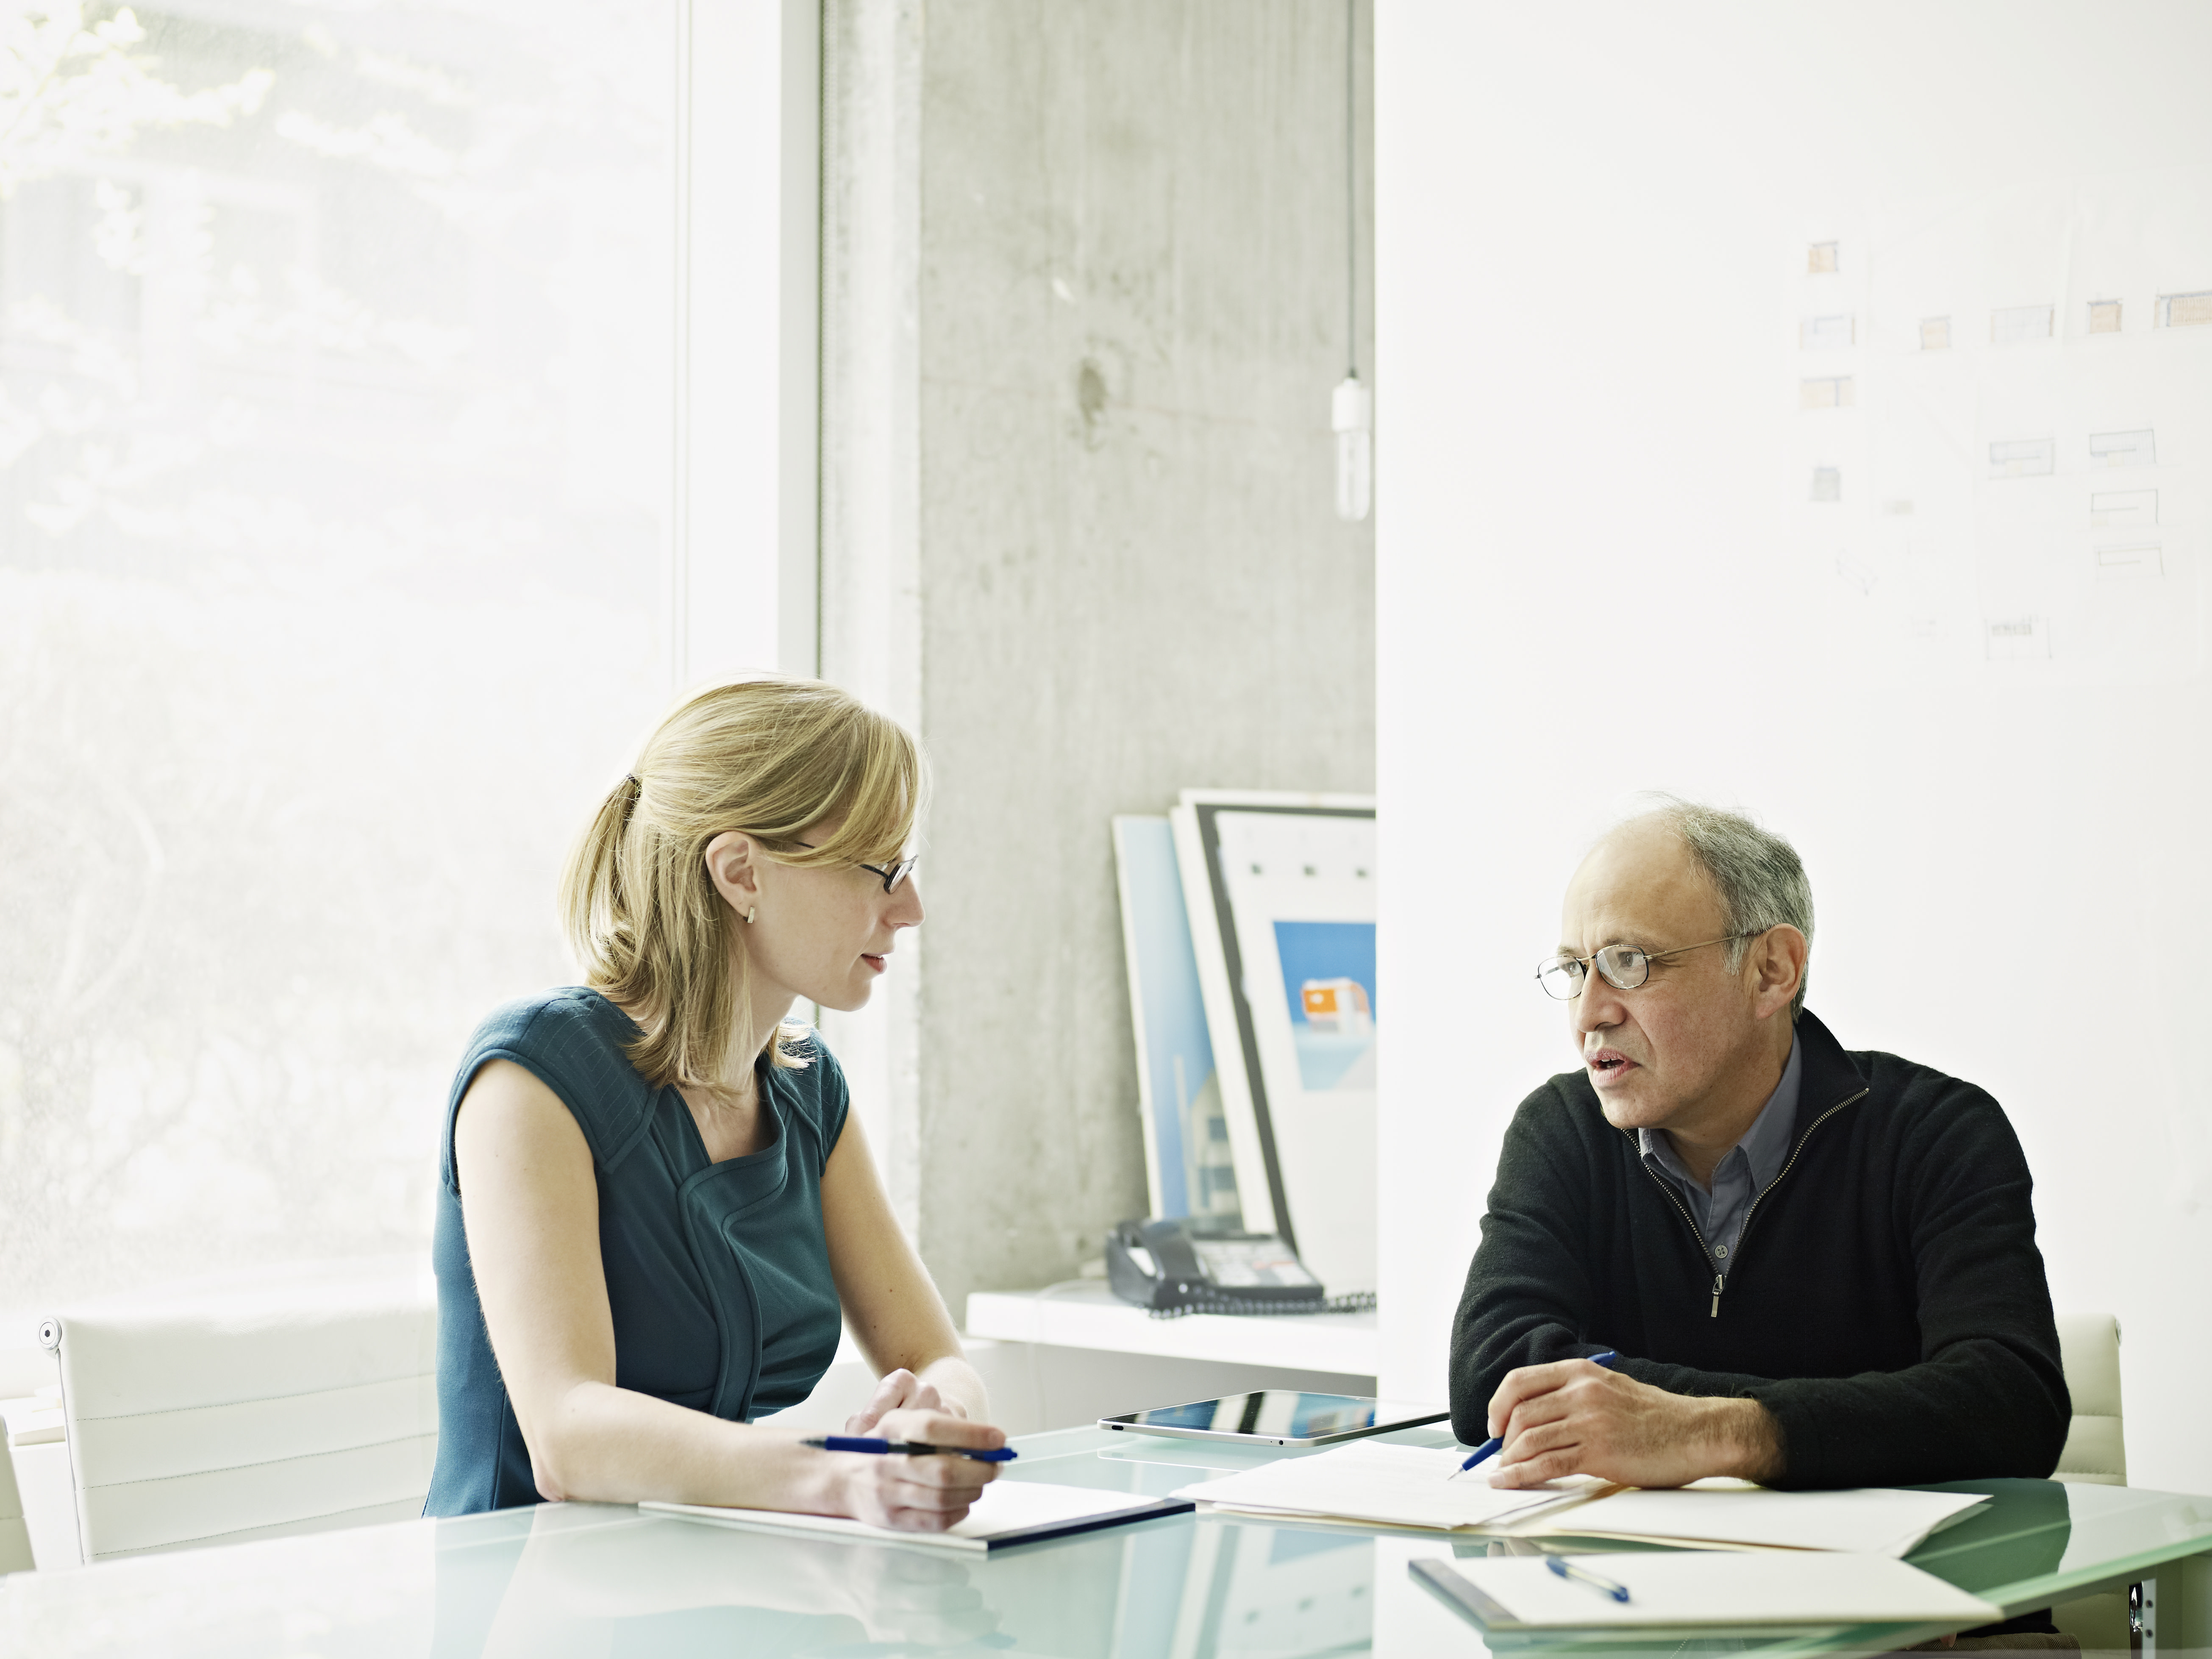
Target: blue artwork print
1329,976
1187,1134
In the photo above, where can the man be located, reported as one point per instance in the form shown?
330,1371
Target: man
1818,1267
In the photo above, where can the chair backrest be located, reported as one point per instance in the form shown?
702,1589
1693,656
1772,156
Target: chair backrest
14,1533
2096,1450
294,1400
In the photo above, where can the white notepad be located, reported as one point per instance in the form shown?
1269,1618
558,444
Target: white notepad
1701,1589
1006,1512
1399,1486
1865,1519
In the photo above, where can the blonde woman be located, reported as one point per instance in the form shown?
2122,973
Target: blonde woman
655,1204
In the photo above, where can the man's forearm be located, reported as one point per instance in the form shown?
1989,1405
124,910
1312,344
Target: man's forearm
1741,1439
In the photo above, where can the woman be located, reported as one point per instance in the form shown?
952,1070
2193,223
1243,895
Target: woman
654,1203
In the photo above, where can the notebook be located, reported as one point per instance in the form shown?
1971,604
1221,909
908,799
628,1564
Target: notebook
1008,1512
1397,1486
1698,1589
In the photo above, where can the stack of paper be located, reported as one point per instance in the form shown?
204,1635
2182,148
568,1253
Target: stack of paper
1400,1486
1682,1588
1866,1520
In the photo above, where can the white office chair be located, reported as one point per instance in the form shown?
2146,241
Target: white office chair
298,1399
40,1461
14,1533
2096,1451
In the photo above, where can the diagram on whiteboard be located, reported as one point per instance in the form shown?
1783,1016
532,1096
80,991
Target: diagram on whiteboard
2001,410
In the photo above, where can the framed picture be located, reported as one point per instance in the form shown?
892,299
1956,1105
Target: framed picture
1279,889
1187,1165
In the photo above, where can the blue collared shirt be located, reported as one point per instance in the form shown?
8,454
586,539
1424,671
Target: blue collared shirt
1748,1168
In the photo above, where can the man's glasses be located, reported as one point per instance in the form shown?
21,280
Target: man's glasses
1623,966
892,874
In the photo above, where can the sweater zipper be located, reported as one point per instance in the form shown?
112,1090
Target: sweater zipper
1674,1199
1720,1280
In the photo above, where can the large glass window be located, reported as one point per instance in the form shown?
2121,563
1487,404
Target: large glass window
335,393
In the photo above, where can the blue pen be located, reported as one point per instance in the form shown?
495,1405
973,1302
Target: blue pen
1489,1448
1565,1569
911,1447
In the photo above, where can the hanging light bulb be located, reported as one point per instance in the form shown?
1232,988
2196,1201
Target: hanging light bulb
1351,412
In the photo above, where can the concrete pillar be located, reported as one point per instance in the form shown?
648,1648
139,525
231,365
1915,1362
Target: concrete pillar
1085,300
871,637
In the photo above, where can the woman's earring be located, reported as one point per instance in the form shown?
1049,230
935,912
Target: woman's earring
751,914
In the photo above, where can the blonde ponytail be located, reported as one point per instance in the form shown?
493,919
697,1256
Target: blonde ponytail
772,758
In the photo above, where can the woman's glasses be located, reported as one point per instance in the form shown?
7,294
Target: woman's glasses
893,874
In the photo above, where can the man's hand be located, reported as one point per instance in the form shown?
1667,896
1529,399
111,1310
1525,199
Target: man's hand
1573,1418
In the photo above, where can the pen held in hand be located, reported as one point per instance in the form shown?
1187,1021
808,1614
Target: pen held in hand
1490,1447
853,1443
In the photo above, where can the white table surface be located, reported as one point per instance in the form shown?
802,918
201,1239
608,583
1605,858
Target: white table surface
608,1582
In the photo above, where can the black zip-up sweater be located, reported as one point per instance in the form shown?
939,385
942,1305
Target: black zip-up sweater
1885,1301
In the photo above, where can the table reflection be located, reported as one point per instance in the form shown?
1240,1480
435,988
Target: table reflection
579,1585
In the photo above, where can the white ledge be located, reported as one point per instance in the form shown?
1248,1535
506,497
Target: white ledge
1090,1315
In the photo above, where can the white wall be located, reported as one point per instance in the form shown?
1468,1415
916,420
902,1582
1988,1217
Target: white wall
1598,574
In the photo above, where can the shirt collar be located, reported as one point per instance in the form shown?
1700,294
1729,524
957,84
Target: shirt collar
1766,1144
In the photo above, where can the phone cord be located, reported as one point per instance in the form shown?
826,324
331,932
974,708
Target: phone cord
1213,1301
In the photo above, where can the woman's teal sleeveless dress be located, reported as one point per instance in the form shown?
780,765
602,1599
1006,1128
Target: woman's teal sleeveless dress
718,1274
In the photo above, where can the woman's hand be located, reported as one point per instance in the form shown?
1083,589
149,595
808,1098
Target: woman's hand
902,1391
924,1493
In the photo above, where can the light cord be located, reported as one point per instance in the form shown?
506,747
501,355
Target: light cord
1351,185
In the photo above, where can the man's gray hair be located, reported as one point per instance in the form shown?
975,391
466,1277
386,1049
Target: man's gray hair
1758,876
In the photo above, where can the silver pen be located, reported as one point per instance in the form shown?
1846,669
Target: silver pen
1565,1569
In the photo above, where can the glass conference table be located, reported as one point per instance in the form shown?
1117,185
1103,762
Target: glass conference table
605,1580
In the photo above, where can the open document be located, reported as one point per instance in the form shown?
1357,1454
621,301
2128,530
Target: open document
1864,1519
1405,1487
1691,1589
1397,1486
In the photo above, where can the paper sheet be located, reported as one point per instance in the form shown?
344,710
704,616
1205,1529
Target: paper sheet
1698,1588
1401,1485
1867,1520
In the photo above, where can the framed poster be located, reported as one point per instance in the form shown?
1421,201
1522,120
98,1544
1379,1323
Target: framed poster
1187,1165
1280,893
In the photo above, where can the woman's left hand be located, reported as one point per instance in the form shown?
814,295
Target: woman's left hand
901,1390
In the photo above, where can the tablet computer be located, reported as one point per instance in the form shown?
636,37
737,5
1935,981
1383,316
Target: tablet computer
1277,1417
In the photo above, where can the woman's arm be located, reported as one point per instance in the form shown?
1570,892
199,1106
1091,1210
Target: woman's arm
531,1207
890,1302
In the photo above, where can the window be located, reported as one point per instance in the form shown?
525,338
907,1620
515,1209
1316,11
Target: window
335,481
